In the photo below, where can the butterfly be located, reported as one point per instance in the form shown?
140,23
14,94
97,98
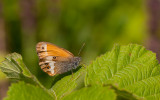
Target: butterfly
55,60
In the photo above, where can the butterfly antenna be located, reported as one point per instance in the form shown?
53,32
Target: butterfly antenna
81,49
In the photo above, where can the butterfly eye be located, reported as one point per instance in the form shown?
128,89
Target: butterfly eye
76,63
47,67
54,57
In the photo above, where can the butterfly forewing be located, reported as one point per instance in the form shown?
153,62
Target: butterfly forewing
47,49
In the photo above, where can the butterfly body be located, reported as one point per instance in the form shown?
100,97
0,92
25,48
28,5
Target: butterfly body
55,60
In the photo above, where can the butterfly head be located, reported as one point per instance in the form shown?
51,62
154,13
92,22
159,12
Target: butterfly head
76,61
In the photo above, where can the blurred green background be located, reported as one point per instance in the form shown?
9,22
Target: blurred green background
70,23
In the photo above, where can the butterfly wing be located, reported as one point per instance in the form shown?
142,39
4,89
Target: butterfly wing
47,49
52,58
65,66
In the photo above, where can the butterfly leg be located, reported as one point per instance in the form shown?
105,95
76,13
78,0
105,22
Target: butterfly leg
72,73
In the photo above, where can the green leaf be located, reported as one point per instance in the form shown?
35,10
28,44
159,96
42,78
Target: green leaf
69,83
92,93
130,67
2,76
14,67
123,94
23,91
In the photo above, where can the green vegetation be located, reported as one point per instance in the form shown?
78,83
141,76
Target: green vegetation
69,23
126,72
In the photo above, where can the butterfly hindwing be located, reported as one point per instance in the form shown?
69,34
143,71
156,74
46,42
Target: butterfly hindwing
52,64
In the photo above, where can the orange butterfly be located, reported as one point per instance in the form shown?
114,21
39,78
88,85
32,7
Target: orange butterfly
55,60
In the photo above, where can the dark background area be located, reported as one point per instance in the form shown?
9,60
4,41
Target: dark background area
71,23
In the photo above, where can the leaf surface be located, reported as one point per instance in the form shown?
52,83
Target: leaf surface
130,67
14,67
69,83
92,93
23,91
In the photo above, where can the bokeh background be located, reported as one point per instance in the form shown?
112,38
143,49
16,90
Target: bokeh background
71,23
